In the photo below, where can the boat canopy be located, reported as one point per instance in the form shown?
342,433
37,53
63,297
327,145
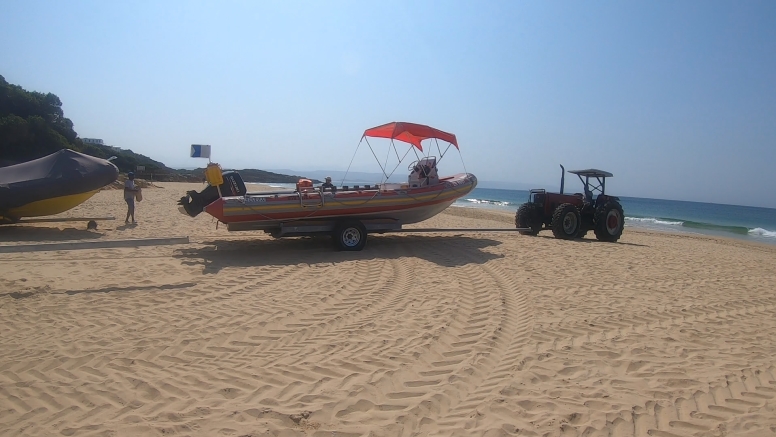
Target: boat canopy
410,133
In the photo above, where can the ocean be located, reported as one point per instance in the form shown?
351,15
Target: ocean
742,222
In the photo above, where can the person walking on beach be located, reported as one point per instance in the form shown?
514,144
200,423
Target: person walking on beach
129,196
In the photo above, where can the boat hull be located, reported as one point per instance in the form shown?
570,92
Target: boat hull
403,205
51,206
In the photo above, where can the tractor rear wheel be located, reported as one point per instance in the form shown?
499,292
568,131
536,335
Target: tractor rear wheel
528,216
609,221
566,222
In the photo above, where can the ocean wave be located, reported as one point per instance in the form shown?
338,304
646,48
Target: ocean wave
655,221
489,202
760,232
740,230
273,184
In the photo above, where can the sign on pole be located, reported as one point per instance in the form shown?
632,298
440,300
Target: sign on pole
200,151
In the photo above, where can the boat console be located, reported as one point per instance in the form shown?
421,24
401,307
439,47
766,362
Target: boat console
423,173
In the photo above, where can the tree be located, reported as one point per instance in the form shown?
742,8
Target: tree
32,124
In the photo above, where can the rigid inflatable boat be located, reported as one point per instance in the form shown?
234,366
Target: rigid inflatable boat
365,208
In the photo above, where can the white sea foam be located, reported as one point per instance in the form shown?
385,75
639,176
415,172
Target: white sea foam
762,232
654,221
273,185
489,202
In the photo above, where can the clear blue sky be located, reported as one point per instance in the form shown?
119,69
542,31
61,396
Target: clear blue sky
676,98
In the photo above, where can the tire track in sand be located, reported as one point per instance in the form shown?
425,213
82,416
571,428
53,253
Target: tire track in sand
681,405
491,325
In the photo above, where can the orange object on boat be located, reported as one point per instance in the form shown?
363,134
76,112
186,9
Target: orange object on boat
304,185
214,174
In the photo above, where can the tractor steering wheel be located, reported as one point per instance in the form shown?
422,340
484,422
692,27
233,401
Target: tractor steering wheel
413,167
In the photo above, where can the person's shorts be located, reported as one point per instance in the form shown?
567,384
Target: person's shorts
130,201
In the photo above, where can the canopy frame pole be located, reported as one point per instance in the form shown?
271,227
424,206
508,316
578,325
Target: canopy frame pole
342,182
397,159
388,176
441,153
387,154
462,163
414,149
400,159
376,158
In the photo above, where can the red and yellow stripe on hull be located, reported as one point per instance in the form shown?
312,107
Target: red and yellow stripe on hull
407,206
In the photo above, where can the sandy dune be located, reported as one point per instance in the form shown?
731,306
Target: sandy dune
467,334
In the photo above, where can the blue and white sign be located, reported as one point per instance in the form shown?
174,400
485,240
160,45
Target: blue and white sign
200,151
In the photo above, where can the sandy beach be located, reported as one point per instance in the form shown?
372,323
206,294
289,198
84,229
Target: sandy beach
470,334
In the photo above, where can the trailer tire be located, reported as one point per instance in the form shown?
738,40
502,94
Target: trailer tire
350,235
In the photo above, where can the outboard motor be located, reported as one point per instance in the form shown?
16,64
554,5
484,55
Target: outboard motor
195,202
233,184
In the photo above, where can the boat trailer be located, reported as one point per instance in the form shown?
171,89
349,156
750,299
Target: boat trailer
349,234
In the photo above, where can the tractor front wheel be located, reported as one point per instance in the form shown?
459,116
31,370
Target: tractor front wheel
528,216
609,222
566,222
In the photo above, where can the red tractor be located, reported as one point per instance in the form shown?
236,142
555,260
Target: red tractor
570,216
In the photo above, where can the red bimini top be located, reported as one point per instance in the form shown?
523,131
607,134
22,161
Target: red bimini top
410,133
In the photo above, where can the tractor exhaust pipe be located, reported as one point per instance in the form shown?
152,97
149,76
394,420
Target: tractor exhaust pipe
562,178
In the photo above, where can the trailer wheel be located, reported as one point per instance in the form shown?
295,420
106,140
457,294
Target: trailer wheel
609,222
350,235
528,216
566,222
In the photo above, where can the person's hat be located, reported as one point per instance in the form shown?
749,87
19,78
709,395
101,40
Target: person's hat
328,178
130,174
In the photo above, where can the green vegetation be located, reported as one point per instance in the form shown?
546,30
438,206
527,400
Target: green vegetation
33,125
251,175
248,175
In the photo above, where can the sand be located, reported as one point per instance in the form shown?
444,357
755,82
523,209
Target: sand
471,334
